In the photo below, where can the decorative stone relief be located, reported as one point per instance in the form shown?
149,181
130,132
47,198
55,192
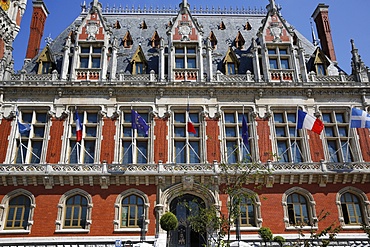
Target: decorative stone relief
92,28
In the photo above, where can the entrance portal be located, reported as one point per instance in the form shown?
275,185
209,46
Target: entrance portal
184,236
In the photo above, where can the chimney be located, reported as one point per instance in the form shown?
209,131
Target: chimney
40,12
321,18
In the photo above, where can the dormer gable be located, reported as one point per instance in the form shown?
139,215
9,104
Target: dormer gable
94,26
45,61
213,40
139,62
274,28
185,27
155,40
231,62
239,40
319,63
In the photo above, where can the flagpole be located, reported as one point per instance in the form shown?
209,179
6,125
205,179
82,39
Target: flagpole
295,135
349,133
20,138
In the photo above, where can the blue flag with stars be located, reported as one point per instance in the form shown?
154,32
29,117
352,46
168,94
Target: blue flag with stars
137,122
360,118
245,134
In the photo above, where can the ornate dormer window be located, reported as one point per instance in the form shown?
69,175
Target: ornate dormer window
239,41
143,25
320,63
155,40
117,25
90,56
127,40
139,62
213,40
45,62
248,26
231,63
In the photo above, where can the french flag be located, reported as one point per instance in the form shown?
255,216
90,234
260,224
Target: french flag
309,122
191,128
78,128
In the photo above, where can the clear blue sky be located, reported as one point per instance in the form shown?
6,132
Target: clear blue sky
348,20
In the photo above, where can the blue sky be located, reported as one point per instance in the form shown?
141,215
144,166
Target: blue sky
348,20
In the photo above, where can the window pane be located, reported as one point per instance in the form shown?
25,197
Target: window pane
229,118
271,51
282,151
95,62
326,118
284,63
179,117
85,49
127,152
194,152
180,131
283,51
191,50
192,63
179,63
280,131
194,117
179,50
332,147
39,131
231,68
89,151
84,62
273,63
142,152
180,152
232,150
339,117
230,131
90,131
278,118
96,49
36,151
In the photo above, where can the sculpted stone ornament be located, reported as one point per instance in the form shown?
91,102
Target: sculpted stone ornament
276,30
185,30
92,29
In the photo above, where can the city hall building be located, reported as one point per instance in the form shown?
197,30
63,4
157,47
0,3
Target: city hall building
130,112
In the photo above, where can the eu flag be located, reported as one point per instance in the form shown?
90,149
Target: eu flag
137,122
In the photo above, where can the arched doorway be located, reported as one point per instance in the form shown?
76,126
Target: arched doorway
184,236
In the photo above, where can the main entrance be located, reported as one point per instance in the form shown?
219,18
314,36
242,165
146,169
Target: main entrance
184,236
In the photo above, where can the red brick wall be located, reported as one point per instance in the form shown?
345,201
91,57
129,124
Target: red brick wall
316,147
213,143
108,142
55,141
5,128
364,143
264,141
36,32
2,45
160,140
46,209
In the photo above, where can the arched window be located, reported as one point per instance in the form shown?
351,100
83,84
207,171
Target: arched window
299,209
74,212
353,207
249,217
131,211
16,211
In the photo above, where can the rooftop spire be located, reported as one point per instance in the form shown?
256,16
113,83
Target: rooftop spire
272,6
315,41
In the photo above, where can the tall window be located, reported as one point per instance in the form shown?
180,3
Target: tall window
90,56
75,212
30,145
18,213
236,150
84,151
288,139
185,57
247,215
134,143
351,209
132,211
298,210
187,145
338,139
278,58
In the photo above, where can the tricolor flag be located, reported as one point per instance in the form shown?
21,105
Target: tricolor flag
137,122
309,122
78,128
359,118
245,134
190,124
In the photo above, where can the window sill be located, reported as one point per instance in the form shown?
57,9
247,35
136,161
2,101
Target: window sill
72,231
15,231
306,228
246,228
351,227
127,229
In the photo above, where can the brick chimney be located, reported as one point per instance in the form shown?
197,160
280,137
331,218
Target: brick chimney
321,18
39,15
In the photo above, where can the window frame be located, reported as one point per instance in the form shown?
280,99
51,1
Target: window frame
236,127
364,207
90,55
31,138
135,138
278,55
333,134
60,221
118,211
4,211
180,138
91,133
288,138
311,208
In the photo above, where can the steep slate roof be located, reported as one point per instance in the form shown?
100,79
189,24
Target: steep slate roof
158,20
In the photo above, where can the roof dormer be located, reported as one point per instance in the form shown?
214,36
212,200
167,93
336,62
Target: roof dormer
45,61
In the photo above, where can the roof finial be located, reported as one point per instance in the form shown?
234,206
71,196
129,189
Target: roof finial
272,6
